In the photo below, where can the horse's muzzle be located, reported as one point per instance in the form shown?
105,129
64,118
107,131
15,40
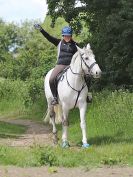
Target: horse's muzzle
97,74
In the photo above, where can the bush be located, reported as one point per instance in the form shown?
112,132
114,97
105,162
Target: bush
15,90
26,91
48,158
45,156
35,88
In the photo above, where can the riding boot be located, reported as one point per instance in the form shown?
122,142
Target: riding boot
53,86
88,83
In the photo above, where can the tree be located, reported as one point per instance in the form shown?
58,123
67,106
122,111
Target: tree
110,23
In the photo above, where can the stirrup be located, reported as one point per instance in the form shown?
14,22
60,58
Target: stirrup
89,98
54,101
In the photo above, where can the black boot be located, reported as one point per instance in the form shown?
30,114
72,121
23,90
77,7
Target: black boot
53,86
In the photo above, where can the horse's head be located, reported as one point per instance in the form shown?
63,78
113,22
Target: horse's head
88,62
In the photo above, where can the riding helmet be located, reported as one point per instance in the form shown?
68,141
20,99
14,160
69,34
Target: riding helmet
67,31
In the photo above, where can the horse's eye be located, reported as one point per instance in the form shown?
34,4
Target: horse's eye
86,58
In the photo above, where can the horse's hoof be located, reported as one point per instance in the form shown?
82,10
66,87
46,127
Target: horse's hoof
86,145
65,144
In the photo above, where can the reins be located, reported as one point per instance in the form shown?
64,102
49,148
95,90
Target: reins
84,85
78,91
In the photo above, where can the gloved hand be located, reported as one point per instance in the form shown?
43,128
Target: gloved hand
37,27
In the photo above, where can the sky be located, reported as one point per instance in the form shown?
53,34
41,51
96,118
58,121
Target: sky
19,10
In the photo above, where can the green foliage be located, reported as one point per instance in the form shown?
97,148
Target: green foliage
8,36
22,98
47,157
14,90
25,56
111,161
114,47
110,24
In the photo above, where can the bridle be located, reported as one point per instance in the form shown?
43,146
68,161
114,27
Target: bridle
84,85
89,67
83,61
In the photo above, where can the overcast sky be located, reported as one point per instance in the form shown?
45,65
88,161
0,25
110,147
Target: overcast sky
17,10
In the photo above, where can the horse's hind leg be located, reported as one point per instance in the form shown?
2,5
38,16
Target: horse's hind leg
52,118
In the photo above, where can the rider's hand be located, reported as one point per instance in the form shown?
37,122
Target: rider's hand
37,27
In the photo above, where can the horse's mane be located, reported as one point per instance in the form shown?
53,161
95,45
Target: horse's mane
74,57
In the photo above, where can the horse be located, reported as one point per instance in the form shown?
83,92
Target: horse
72,92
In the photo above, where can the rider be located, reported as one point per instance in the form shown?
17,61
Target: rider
66,49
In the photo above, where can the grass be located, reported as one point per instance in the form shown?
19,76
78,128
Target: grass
8,130
13,107
120,154
16,109
109,130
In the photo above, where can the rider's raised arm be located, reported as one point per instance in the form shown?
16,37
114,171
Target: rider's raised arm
50,38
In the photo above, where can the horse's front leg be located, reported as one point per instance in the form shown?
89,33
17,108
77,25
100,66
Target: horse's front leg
65,125
82,110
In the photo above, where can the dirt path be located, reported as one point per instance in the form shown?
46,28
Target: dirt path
12,171
36,133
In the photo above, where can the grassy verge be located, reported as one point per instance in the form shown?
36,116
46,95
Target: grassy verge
8,130
120,154
16,109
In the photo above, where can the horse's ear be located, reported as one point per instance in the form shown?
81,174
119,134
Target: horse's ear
80,50
88,47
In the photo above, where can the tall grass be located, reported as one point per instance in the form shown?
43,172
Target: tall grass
13,97
22,99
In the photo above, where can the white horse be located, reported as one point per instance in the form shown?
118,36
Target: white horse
72,92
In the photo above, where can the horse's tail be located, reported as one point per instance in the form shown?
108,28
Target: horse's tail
46,117
58,114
